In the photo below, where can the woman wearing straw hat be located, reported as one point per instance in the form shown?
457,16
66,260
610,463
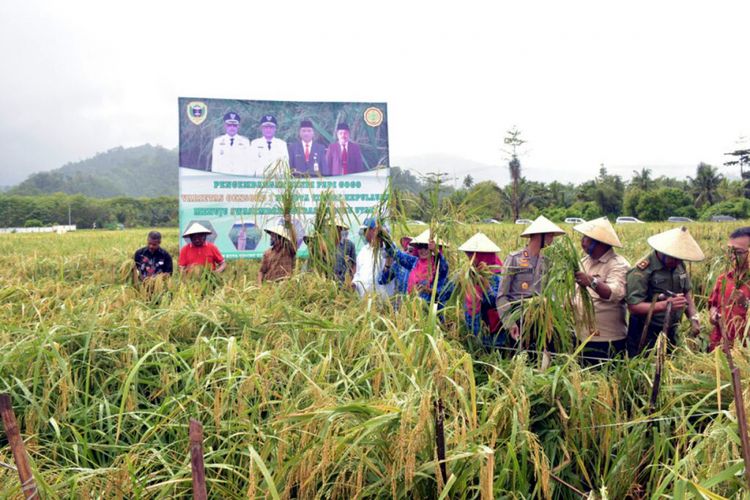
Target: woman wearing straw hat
418,272
655,282
481,295
199,252
602,276
523,272
279,259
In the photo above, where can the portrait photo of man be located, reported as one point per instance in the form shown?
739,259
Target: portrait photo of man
268,148
231,152
307,157
344,157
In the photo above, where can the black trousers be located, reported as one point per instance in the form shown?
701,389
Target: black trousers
635,330
597,352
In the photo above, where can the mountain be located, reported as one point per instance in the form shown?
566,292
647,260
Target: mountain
141,171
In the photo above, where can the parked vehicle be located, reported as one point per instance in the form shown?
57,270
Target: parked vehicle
490,221
574,220
628,220
415,223
679,219
722,218
523,221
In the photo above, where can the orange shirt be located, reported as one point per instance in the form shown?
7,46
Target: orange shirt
205,255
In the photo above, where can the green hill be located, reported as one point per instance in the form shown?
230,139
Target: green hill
142,171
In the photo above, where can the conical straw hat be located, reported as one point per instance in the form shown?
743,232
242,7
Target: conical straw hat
542,225
424,238
479,243
340,223
196,228
677,243
600,230
281,231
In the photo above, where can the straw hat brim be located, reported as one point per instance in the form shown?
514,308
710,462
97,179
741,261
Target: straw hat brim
479,243
542,225
424,238
280,231
677,243
600,230
196,228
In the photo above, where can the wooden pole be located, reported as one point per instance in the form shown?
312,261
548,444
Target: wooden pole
739,402
28,484
196,460
440,437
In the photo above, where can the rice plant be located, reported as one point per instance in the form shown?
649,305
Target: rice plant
308,392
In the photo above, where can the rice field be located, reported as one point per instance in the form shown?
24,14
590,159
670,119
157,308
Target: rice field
306,391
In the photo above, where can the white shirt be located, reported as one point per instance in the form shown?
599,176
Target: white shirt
264,158
366,276
231,156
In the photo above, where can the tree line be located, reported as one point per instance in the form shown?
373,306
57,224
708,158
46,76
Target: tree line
644,196
85,212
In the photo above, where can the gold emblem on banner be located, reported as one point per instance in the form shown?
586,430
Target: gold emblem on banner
373,116
197,112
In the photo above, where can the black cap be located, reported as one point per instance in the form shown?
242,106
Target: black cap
268,120
232,118
342,126
305,123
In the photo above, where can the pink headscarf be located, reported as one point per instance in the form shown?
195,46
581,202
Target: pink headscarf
420,273
473,300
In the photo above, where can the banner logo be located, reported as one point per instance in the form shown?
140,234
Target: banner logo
373,116
197,112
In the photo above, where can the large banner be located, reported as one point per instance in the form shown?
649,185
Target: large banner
238,156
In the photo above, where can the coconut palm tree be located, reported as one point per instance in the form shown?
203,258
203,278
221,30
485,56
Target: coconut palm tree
705,185
642,180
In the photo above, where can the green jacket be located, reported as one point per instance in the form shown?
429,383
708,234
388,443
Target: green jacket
649,278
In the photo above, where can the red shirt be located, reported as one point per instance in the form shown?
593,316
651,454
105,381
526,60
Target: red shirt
732,306
200,256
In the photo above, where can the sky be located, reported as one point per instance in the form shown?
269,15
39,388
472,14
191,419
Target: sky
663,85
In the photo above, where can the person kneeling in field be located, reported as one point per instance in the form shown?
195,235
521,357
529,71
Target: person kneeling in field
200,253
482,318
418,272
523,273
278,261
729,300
656,281
602,276
152,260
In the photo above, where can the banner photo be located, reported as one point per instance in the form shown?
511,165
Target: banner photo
238,156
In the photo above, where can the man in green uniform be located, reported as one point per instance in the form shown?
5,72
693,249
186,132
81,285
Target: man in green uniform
658,280
523,272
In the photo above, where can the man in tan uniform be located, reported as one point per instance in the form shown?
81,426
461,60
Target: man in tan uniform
602,276
523,272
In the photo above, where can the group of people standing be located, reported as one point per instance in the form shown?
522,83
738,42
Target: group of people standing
233,153
632,305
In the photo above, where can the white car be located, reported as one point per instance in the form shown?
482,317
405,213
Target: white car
628,220
574,220
523,221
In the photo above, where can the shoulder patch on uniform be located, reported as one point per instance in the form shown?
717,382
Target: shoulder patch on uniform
642,265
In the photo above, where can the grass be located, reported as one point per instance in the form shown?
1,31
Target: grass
307,391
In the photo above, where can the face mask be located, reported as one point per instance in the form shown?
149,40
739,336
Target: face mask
592,246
